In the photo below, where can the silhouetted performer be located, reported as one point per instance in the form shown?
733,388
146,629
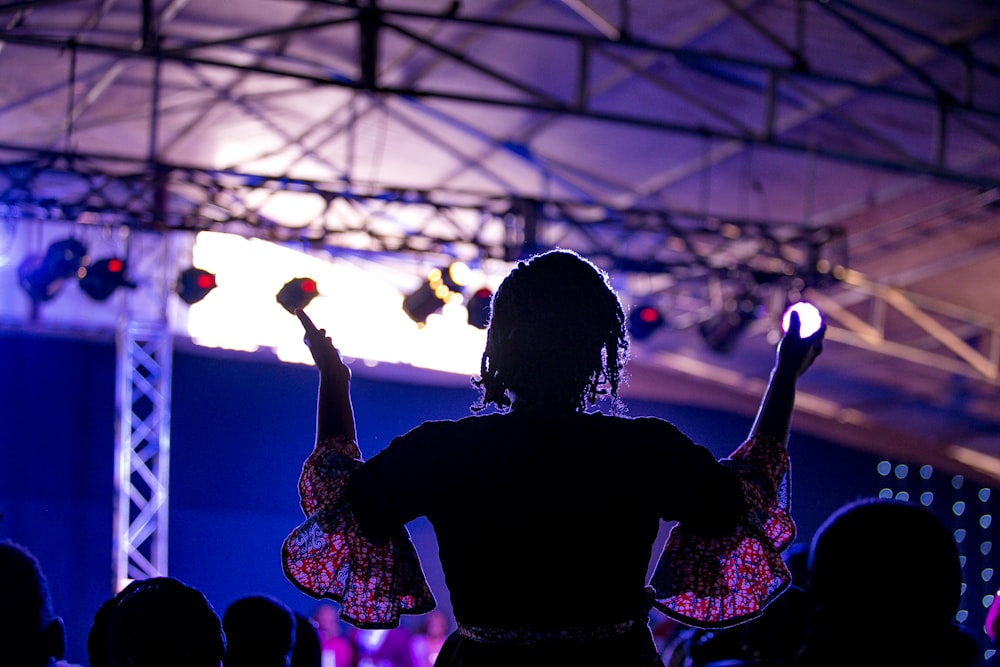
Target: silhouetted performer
546,514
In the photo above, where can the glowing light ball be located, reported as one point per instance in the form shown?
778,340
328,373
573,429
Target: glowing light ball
810,318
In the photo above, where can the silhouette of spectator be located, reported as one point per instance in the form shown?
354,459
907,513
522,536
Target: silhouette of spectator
384,648
797,559
260,632
509,493
31,635
338,648
163,622
429,638
98,639
883,588
308,650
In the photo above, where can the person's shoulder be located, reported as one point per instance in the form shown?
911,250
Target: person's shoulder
643,422
433,427
643,431
468,421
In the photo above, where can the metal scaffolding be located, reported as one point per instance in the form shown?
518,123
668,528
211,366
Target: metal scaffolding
142,451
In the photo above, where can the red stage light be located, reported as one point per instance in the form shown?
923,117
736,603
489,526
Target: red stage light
644,321
297,293
194,284
478,308
102,278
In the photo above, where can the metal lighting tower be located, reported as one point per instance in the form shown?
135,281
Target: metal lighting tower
144,347
142,451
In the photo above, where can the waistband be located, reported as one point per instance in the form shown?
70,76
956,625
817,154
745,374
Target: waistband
528,636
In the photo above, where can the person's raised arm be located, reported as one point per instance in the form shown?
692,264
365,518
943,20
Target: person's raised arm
794,356
334,411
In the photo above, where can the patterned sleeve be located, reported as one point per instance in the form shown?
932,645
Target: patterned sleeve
717,582
327,556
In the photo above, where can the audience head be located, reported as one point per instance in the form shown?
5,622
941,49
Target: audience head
260,632
163,622
436,624
98,639
887,572
887,549
557,335
31,635
796,558
326,621
308,650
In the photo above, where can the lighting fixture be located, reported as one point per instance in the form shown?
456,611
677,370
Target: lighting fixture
478,307
644,321
42,277
194,284
100,279
442,285
297,293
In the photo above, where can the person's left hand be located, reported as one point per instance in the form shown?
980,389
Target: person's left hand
796,353
327,357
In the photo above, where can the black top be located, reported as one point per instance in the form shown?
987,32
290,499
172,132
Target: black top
542,520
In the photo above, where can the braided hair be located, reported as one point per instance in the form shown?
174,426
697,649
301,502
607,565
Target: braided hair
557,336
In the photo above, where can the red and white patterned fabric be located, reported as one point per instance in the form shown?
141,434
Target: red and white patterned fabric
327,556
717,582
706,582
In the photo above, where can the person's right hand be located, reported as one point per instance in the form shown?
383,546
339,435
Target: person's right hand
327,357
796,354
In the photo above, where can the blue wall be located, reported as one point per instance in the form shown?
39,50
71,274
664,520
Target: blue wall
240,429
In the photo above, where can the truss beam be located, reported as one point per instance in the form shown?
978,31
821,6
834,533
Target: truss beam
766,82
469,226
687,253
142,452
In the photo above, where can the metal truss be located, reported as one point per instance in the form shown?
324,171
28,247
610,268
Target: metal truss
683,246
687,262
676,253
142,452
790,81
945,328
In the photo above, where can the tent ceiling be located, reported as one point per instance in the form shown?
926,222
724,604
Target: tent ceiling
695,148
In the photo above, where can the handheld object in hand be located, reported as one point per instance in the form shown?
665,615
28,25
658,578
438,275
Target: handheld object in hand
810,318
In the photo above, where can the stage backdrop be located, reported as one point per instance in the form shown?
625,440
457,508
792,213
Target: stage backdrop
241,425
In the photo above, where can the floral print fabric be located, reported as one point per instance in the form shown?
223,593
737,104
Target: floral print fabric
716,582
706,582
327,556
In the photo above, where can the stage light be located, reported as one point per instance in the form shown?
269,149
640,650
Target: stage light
810,318
644,321
441,286
64,258
723,329
194,284
297,293
478,307
36,280
100,279
43,277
